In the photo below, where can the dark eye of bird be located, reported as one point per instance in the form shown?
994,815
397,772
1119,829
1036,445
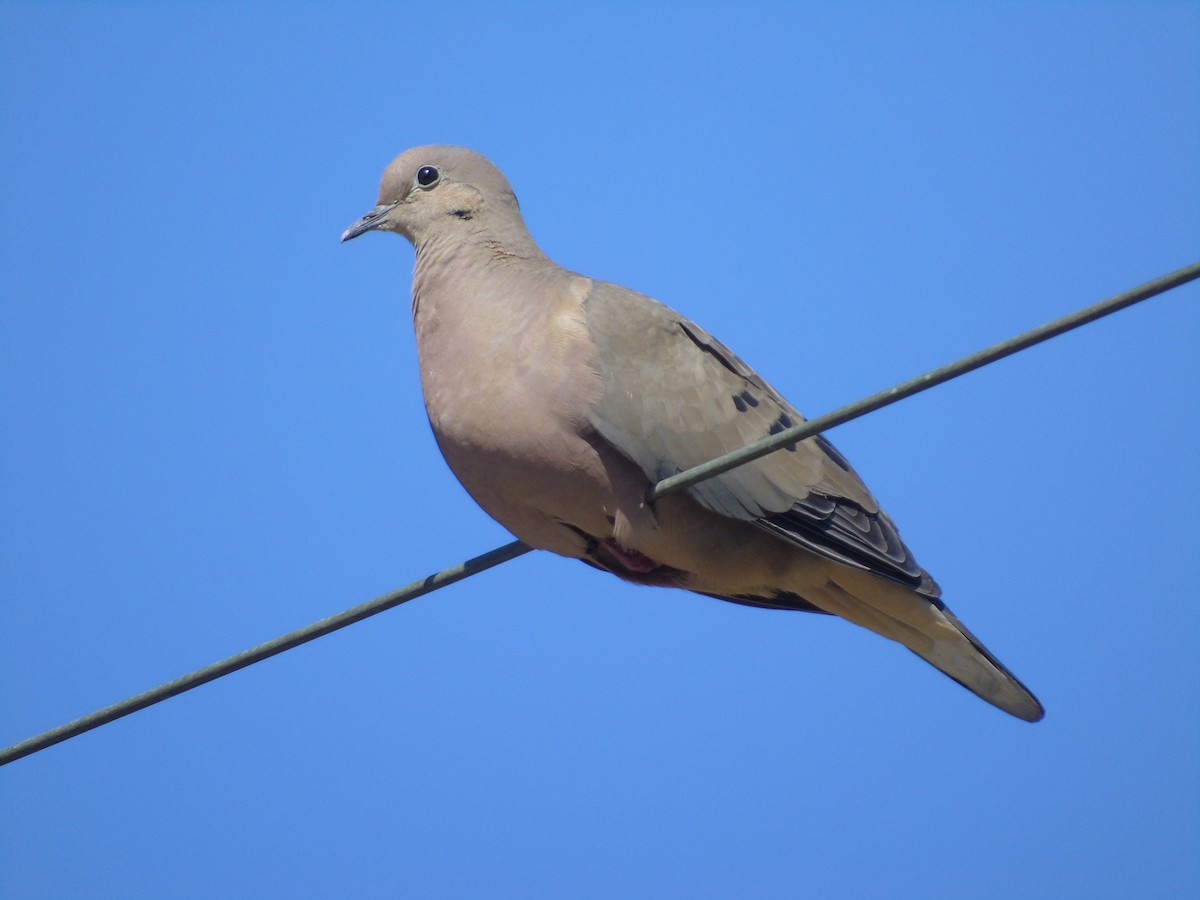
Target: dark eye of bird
427,175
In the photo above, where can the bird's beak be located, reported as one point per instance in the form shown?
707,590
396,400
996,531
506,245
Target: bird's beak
371,220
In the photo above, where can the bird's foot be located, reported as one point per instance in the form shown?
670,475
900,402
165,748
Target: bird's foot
630,559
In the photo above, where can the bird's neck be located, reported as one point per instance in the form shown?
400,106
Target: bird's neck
470,254
474,239
450,271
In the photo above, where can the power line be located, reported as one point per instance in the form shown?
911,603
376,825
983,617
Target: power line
934,377
674,483
263,651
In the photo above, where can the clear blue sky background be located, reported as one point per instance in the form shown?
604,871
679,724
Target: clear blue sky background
212,433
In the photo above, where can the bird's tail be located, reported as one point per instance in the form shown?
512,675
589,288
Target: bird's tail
972,665
932,632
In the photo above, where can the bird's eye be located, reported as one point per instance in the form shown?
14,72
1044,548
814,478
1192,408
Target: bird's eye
428,176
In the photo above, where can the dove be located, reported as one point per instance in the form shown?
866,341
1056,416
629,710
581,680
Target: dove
559,400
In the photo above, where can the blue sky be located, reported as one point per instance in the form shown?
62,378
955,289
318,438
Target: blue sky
211,432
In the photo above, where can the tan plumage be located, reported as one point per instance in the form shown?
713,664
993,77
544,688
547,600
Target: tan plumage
558,401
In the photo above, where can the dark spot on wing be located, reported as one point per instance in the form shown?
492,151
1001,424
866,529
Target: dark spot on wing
744,401
832,453
783,423
709,349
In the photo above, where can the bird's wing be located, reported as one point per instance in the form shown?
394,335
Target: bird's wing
674,397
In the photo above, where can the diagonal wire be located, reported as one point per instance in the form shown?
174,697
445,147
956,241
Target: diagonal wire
923,382
263,651
674,483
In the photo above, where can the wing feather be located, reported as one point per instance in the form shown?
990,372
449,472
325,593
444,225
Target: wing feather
675,397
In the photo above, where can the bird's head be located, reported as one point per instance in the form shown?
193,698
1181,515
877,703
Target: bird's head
438,189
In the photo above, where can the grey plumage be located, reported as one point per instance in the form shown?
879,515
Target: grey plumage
558,400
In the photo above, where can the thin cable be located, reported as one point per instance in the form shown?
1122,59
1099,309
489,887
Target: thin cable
991,354
674,483
263,651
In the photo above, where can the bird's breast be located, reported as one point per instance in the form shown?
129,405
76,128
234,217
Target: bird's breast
508,385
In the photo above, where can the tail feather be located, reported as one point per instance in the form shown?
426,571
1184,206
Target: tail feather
973,666
932,632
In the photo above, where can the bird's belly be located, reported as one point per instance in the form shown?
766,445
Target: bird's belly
566,495
549,488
